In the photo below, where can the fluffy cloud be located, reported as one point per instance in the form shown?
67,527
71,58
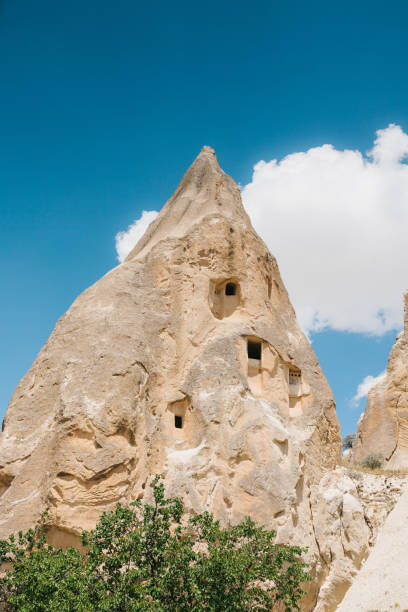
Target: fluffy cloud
337,222
125,241
364,387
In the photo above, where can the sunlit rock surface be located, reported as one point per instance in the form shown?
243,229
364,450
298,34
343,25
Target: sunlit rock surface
381,584
383,428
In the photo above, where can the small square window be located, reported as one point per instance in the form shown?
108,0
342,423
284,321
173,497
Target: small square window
230,289
254,349
178,421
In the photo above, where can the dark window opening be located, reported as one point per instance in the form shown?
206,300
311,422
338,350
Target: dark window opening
178,421
230,289
294,377
254,349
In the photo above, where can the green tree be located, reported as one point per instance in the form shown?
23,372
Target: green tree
348,441
37,577
145,557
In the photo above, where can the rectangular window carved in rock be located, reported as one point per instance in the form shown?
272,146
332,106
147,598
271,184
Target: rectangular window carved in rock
178,421
294,377
254,349
295,382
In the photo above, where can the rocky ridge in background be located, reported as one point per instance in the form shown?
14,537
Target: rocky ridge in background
383,427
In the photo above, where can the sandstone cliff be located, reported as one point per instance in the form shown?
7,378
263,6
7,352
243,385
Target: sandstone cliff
383,428
185,360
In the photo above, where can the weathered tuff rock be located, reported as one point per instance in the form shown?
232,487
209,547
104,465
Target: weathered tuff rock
378,494
349,509
383,428
341,533
185,360
381,584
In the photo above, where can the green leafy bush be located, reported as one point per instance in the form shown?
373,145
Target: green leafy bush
373,461
142,557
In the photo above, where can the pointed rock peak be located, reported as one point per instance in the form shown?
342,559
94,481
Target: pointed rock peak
204,190
206,150
205,166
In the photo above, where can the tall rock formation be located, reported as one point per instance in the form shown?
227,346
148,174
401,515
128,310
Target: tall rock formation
185,360
383,428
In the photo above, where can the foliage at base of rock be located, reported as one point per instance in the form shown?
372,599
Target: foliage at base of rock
144,557
373,461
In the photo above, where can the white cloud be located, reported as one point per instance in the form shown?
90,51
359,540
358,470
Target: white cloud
337,221
364,387
125,241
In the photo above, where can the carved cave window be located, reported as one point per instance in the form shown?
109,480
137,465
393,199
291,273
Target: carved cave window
254,349
294,377
230,289
178,421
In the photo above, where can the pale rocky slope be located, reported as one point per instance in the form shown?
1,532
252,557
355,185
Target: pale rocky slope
187,360
381,585
349,508
378,494
383,428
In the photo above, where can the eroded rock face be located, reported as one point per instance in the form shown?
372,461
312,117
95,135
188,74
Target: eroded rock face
349,508
341,533
383,428
186,360
378,494
381,585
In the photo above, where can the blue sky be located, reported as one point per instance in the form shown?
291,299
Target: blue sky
104,105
